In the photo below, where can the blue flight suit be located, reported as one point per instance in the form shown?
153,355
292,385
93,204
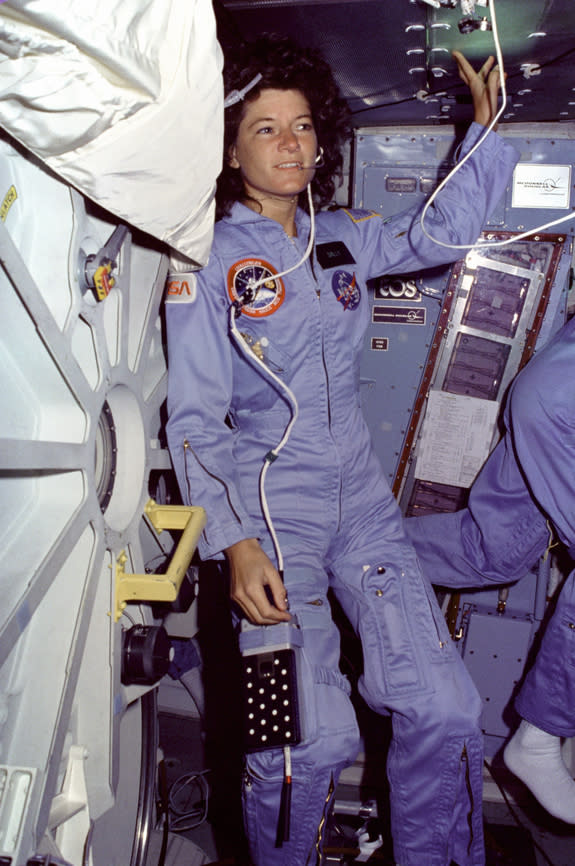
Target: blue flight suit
525,488
336,520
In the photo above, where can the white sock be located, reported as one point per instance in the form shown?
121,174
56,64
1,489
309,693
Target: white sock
535,758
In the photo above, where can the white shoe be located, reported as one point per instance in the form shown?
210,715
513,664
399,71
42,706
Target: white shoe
534,756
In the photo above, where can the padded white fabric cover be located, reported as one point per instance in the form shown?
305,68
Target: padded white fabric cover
124,100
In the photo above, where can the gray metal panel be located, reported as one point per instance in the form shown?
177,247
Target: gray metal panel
394,168
495,653
382,152
394,358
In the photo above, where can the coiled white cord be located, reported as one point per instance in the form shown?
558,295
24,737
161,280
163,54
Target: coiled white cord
273,454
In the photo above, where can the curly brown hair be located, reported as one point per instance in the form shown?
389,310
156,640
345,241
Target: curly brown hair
284,65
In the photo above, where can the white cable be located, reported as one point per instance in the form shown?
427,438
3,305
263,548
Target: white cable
287,761
480,141
305,256
481,242
238,95
273,453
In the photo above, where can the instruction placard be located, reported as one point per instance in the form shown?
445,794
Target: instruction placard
543,186
456,438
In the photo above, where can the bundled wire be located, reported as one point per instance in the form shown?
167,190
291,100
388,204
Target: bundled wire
188,800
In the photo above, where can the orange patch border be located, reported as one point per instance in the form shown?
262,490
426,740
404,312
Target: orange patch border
248,310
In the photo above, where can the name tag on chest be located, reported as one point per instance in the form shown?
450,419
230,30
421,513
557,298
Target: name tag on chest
333,255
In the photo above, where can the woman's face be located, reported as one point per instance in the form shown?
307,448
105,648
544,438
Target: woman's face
276,145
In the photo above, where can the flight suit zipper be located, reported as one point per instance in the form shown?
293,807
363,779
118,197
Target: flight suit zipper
464,767
328,399
465,760
321,829
188,447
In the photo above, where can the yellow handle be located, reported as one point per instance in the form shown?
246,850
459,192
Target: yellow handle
161,587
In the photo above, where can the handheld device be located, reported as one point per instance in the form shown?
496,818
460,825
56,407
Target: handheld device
271,671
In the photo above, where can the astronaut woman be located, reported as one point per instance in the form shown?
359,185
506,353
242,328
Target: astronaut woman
335,521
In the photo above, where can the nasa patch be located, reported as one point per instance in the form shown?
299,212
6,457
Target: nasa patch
266,298
181,288
346,289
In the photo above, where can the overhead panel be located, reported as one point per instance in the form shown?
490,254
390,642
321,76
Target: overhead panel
393,61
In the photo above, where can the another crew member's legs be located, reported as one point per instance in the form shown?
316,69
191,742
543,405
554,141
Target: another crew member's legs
546,704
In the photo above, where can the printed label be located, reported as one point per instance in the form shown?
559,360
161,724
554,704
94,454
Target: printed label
181,288
9,200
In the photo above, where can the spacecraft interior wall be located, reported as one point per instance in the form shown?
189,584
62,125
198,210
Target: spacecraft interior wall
124,100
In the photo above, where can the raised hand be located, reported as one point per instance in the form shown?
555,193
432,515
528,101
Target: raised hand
484,86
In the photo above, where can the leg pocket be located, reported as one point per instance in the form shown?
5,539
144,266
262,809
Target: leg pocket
329,722
395,613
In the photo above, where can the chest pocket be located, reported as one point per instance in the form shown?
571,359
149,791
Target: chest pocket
255,390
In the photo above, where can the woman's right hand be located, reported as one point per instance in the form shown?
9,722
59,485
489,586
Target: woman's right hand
251,571
484,86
